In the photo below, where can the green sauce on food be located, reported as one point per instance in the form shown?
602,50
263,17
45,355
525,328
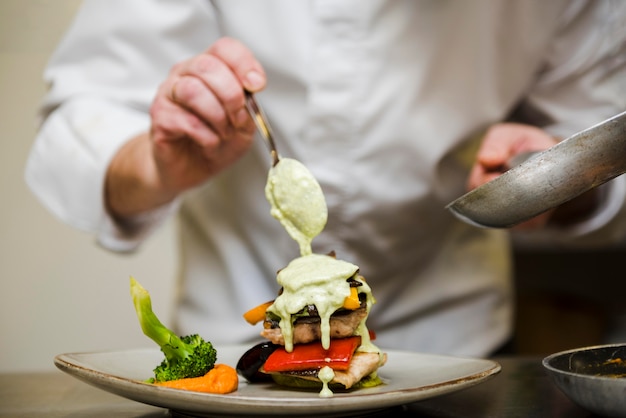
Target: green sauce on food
319,280
297,201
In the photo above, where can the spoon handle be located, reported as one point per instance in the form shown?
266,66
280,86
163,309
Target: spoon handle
262,124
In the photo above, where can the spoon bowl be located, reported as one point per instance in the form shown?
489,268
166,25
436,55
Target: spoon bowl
549,178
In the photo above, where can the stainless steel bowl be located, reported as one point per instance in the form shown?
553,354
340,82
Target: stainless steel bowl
593,377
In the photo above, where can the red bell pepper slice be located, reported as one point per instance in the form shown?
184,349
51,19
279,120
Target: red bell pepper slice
313,356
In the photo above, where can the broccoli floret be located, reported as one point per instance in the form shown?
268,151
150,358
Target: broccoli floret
188,356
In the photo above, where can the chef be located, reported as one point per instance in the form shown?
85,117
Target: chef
396,107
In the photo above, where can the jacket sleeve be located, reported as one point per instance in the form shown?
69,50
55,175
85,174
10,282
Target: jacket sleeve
101,79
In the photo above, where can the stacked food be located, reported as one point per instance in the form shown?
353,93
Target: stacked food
316,326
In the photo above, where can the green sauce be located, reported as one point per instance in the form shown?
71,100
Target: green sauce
319,280
297,201
326,374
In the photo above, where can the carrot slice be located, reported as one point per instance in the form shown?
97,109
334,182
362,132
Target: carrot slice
220,379
257,314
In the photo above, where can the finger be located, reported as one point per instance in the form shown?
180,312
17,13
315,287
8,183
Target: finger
495,148
172,91
479,176
535,223
241,61
506,140
473,178
172,122
192,94
220,81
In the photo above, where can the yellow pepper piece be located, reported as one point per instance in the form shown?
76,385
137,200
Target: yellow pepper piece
352,302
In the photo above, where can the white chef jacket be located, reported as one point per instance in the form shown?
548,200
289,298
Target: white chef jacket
381,100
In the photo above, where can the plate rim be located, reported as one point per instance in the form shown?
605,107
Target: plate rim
207,403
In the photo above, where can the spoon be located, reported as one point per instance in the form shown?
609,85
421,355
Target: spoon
549,178
296,198
262,124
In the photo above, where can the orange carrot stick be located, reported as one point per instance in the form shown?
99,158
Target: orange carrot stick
220,379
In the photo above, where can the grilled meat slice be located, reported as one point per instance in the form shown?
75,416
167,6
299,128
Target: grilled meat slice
306,329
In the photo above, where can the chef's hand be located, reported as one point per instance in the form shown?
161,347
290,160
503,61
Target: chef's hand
199,127
501,143
506,140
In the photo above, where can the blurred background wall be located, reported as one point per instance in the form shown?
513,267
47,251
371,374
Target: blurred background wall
59,292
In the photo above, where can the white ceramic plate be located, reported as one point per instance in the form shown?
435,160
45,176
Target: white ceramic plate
408,377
